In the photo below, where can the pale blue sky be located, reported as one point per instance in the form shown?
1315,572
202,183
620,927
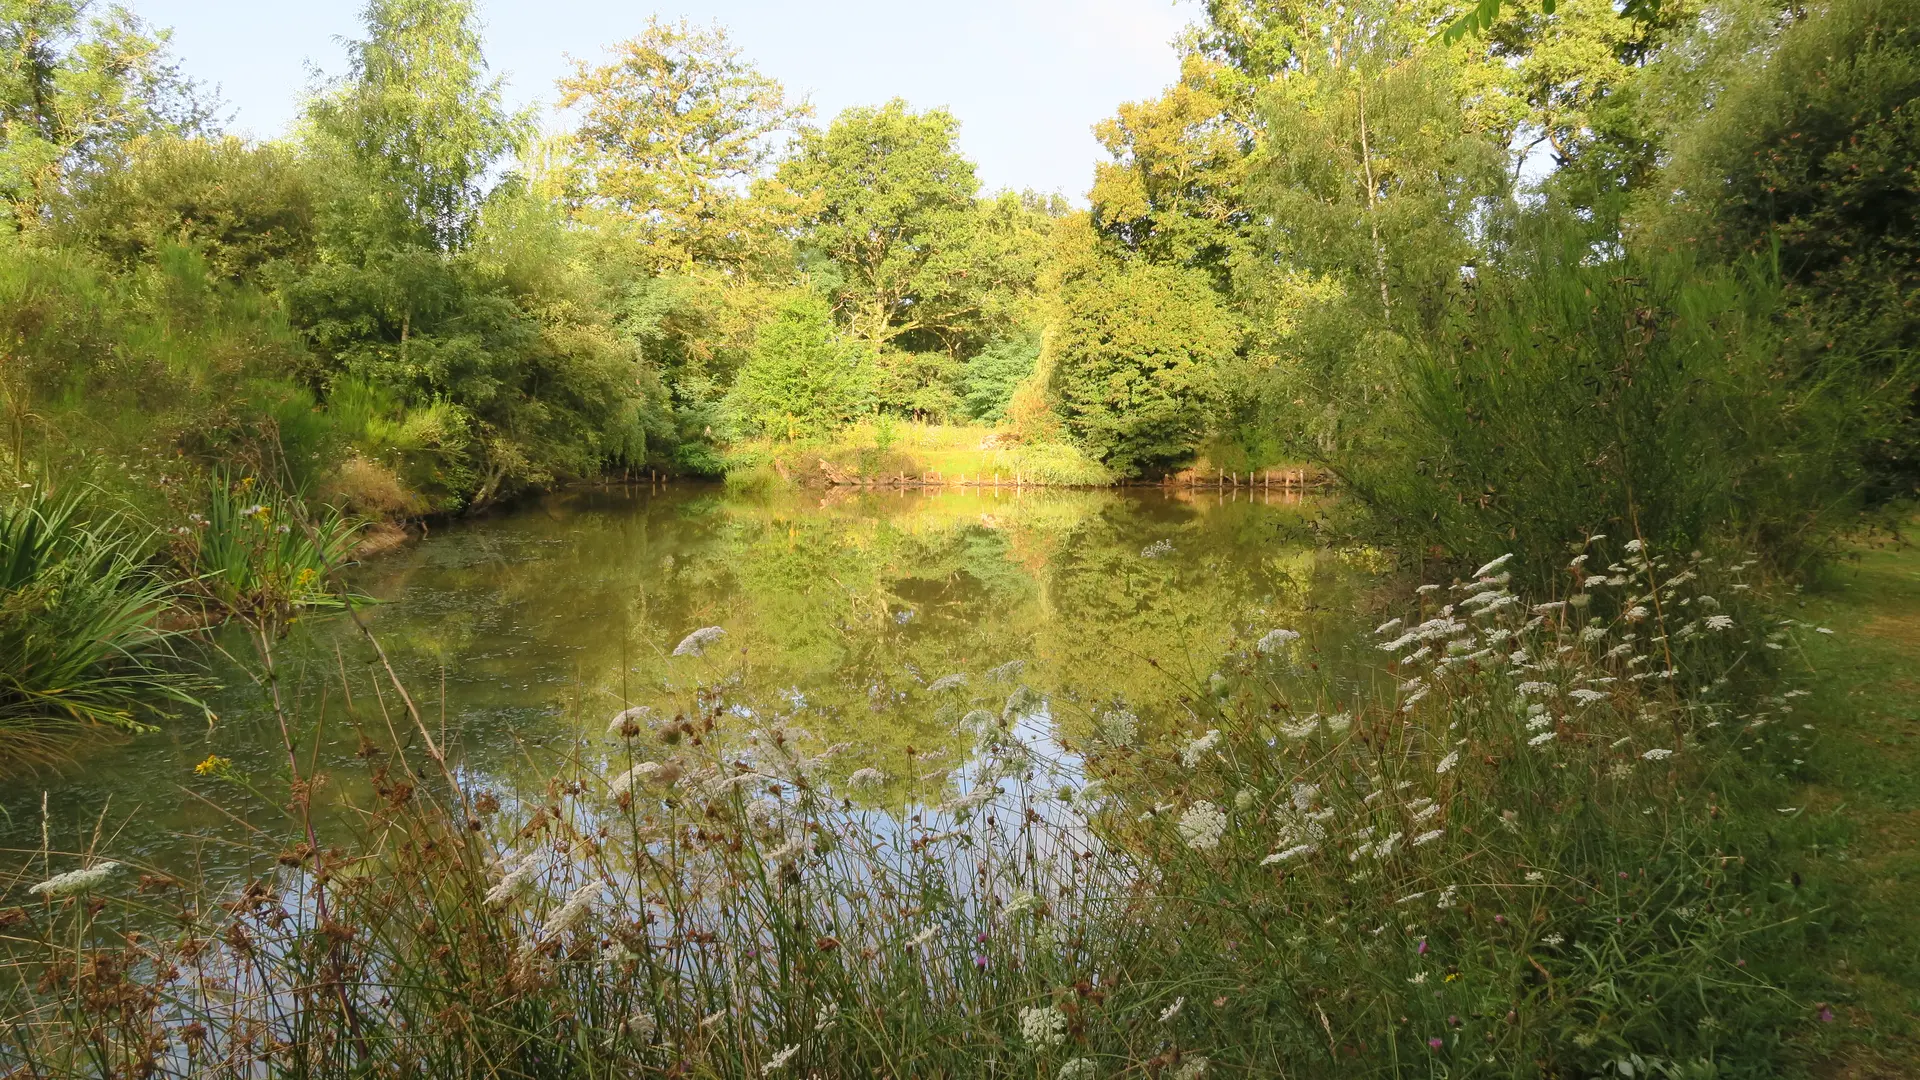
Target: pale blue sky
1027,78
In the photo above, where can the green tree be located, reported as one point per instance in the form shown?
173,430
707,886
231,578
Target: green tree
76,85
1139,349
417,121
994,373
671,129
804,378
886,198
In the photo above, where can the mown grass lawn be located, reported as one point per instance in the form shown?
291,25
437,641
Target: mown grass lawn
1862,799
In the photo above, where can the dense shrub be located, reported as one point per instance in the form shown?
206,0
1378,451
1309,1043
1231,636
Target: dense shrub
1811,161
1635,393
1138,348
991,377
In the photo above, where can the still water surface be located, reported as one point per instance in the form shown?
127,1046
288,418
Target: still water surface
521,634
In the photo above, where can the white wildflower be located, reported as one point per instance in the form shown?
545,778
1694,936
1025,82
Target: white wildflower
1536,877
1303,795
1020,905
1275,639
1079,1069
696,643
1426,812
1195,750
1119,727
779,1060
1657,754
866,778
1428,837
1526,688
1294,852
516,874
1494,566
1043,1027
570,914
922,937
75,881
1719,622
643,1027
1555,940
1386,627
1541,739
1202,825
1172,1010
1007,672
1636,613
1447,763
628,723
1193,1068
1385,847
1619,770
1338,723
1579,600
1418,978
1243,799
829,1016
1425,589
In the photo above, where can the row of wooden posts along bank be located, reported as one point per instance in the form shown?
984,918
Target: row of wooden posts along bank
1297,479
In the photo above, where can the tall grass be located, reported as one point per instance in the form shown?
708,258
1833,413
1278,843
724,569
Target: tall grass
80,640
1543,853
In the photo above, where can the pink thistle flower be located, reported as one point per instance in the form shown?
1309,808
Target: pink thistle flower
1435,1043
1422,950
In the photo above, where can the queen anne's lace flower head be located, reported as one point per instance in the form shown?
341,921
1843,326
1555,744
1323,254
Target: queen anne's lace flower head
696,643
1043,1027
1202,825
75,881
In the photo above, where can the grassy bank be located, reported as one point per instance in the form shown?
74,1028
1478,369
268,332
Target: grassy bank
958,455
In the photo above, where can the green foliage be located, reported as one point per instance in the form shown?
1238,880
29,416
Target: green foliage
77,84
1643,394
415,123
804,379
1812,161
992,375
1138,351
913,259
670,128
257,554
243,208
80,642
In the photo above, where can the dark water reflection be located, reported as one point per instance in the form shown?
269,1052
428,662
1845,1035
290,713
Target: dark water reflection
521,634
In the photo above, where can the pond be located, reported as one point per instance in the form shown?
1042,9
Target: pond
519,635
